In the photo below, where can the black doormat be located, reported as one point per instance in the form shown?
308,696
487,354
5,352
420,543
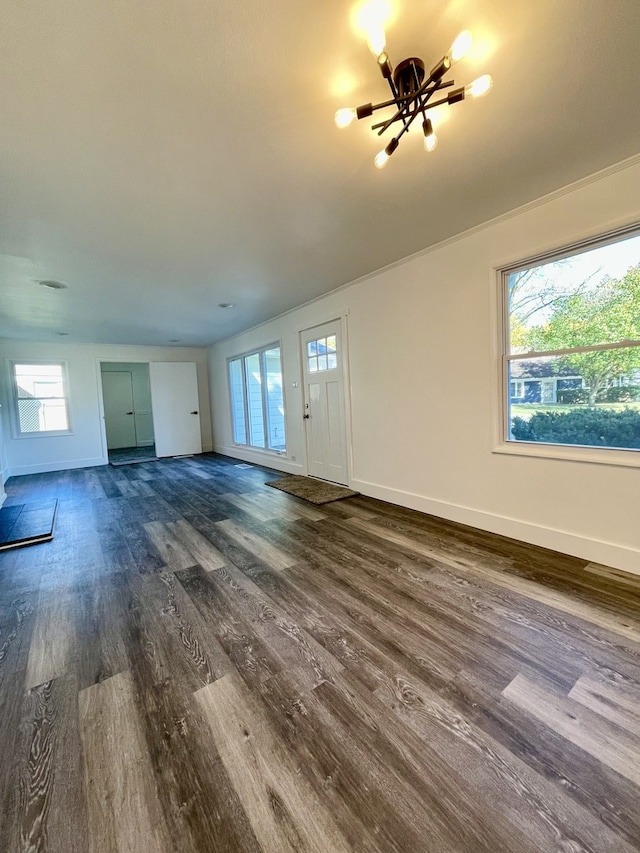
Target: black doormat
315,491
27,524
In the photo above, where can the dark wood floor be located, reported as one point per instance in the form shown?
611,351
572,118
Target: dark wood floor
201,663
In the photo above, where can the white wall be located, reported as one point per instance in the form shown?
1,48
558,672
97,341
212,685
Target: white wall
85,446
424,362
3,464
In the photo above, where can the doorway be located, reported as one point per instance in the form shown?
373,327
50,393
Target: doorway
323,363
128,414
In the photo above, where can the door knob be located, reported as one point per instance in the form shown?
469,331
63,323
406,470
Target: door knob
194,413
128,413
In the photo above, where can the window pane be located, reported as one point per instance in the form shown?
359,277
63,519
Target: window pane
39,380
257,391
312,348
566,400
332,361
322,362
589,298
41,403
237,401
275,400
331,343
313,364
254,399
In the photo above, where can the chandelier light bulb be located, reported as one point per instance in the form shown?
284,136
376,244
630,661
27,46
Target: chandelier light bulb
430,142
481,86
377,42
381,159
430,138
461,46
345,116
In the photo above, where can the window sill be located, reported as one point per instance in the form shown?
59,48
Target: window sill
47,434
570,453
267,451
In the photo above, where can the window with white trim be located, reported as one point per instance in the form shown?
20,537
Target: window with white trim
40,398
571,362
257,399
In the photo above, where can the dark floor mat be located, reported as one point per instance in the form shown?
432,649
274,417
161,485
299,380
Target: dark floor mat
27,524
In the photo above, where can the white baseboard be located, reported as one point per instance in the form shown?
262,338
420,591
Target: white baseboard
66,465
268,460
594,550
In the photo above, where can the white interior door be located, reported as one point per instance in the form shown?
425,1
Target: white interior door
326,434
119,420
176,409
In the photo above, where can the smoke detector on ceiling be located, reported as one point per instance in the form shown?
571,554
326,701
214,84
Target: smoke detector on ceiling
52,285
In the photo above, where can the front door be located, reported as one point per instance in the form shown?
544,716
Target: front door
117,394
326,434
176,410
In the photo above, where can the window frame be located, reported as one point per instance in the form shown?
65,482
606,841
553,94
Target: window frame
13,384
629,457
261,353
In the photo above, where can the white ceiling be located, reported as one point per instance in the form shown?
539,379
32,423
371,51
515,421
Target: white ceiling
163,156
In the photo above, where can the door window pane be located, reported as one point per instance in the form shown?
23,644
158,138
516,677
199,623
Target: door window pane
322,354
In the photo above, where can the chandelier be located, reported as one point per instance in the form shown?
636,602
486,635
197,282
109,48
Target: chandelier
414,92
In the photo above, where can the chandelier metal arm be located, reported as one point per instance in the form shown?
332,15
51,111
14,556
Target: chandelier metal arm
387,73
423,105
401,99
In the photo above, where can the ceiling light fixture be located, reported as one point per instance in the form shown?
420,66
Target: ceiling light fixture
413,89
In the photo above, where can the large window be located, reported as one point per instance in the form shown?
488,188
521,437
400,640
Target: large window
572,355
40,398
257,401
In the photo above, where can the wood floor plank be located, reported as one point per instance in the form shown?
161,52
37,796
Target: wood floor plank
615,702
257,509
524,795
285,813
602,740
123,807
572,770
274,557
276,629
522,586
201,550
172,551
53,640
251,657
45,796
182,639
